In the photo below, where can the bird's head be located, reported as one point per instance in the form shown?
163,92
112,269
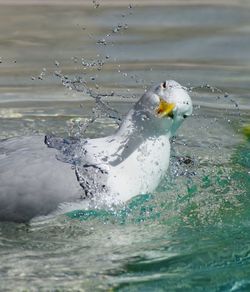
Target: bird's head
168,102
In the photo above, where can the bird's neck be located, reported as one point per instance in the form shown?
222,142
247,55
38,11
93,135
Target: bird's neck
133,132
127,127
142,126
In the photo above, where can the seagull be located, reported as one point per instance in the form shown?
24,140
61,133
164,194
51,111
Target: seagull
38,174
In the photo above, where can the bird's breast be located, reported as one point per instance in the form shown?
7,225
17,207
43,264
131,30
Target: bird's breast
142,170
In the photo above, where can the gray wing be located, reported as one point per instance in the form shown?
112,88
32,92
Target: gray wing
87,157
32,181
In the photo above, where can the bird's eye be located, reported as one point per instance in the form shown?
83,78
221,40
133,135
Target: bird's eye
164,84
185,116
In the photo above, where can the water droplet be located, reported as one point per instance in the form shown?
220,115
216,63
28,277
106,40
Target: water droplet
101,42
96,4
56,63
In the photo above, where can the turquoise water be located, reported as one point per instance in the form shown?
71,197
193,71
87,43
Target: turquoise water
192,233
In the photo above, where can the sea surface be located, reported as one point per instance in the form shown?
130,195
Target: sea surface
74,70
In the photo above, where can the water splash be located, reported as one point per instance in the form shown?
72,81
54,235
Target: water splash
182,166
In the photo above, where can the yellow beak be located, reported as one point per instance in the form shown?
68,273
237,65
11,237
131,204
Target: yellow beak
165,109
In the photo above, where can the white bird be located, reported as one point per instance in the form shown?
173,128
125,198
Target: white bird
36,177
